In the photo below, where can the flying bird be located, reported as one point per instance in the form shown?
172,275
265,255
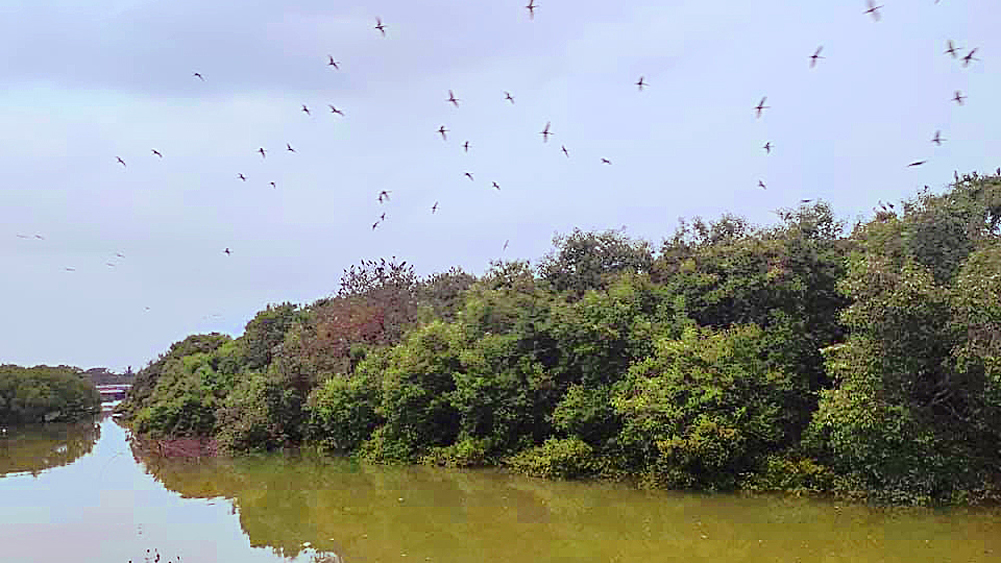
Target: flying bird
241,176
508,97
969,57
262,151
198,76
531,9
384,195
768,147
379,26
505,245
815,56
959,97
917,163
451,98
305,109
466,146
496,186
157,153
332,62
120,161
70,269
761,185
290,149
376,224
951,50
640,84
39,237
442,130
469,175
546,133
227,252
382,217
273,185
119,255
434,208
937,139
873,9
564,149
109,264
23,236
605,161
805,200
335,110
761,106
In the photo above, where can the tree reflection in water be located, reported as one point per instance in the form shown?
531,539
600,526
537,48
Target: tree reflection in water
36,448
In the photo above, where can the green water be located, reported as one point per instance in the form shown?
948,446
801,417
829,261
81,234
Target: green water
79,494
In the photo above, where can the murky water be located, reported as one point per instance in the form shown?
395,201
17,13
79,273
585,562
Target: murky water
77,494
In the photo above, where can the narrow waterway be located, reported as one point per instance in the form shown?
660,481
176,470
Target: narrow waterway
78,493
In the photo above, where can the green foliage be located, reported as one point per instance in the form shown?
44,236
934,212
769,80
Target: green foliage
589,260
567,458
704,408
45,394
467,452
266,331
187,393
342,413
782,473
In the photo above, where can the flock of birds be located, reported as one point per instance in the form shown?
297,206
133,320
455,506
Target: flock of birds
872,10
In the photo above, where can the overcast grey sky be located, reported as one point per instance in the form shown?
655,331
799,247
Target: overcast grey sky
82,83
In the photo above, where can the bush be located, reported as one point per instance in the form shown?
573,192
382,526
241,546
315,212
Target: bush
342,413
567,458
467,452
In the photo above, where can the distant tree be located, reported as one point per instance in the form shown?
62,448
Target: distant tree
589,260
46,394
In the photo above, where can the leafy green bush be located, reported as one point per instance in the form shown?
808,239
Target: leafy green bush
342,413
467,452
45,394
556,458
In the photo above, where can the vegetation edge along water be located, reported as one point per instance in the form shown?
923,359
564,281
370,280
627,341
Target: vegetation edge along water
42,394
801,356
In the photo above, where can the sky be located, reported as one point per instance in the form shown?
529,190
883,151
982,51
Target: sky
83,83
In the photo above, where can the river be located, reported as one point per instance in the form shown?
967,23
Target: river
78,494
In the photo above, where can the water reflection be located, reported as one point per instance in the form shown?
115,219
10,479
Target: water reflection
33,449
364,513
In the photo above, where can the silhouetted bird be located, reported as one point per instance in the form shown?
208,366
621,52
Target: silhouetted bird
959,97
937,139
640,84
873,9
23,236
505,245
39,237
917,163
227,252
466,146
951,48
376,224
452,99
290,149
469,175
262,151
496,186
384,195
531,9
382,217
564,149
969,57
120,161
305,109
768,147
761,106
273,185
546,133
335,110
805,200
508,97
199,76
70,269
332,62
380,27
761,185
606,161
434,208
815,56
442,130
242,177
157,153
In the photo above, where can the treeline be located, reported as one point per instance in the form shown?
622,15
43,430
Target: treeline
798,356
46,394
